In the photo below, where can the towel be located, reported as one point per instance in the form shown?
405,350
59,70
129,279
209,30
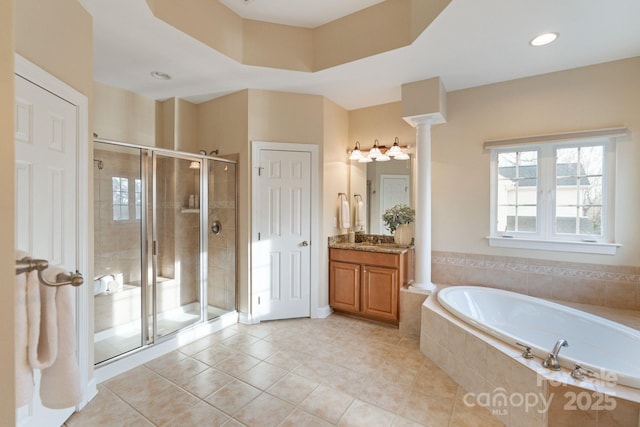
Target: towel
45,339
23,371
359,215
345,214
60,381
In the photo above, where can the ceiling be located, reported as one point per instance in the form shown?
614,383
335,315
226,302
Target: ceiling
471,43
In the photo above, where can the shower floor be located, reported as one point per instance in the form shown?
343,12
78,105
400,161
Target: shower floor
121,339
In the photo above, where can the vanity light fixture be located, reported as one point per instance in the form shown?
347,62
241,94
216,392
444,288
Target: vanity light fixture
356,154
374,153
543,39
379,153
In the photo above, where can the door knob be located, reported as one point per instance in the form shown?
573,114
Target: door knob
305,243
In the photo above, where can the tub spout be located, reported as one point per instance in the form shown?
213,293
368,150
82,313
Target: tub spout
551,361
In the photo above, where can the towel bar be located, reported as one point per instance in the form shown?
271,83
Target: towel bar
27,265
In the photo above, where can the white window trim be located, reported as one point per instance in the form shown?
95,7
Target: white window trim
544,238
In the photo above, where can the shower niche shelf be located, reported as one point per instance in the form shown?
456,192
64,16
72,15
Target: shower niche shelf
189,210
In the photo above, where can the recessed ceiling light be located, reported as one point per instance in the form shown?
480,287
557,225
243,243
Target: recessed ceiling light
543,39
160,75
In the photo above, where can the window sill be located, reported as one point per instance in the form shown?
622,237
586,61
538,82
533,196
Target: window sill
554,245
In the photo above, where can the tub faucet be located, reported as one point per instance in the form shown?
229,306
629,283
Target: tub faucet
551,361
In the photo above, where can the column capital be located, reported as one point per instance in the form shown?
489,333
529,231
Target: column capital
425,119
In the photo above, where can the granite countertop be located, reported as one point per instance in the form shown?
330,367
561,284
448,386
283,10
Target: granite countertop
390,248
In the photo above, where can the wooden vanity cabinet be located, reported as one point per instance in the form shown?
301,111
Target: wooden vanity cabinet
367,283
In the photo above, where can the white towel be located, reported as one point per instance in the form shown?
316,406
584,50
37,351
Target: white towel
345,214
360,214
45,339
60,381
24,373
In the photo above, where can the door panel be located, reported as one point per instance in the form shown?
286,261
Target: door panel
46,197
176,299
282,251
344,286
380,292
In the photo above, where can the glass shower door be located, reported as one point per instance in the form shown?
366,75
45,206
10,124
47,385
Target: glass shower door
175,300
117,290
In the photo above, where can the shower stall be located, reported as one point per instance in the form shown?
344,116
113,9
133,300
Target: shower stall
165,244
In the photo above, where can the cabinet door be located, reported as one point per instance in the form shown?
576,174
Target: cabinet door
344,286
380,293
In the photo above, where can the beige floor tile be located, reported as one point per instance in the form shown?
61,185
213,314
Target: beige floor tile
233,396
167,361
264,411
206,382
199,345
183,370
300,418
263,375
237,364
107,409
465,416
427,410
214,354
261,349
327,403
287,359
403,422
138,383
164,406
362,414
202,414
384,394
293,388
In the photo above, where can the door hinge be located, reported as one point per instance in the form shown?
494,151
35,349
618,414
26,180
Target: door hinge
260,170
154,247
258,300
258,235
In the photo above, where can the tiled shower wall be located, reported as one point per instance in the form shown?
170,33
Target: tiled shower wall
604,285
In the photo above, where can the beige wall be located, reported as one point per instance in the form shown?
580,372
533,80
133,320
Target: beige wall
335,180
230,124
57,36
599,96
120,115
7,250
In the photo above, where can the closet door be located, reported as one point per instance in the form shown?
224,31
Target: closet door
46,144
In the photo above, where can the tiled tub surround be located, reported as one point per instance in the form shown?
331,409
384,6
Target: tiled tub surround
605,285
518,391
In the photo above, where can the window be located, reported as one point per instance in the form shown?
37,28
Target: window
553,195
120,193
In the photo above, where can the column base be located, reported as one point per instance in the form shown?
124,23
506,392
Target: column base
424,288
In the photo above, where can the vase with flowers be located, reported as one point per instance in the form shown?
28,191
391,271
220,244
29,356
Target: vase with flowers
397,220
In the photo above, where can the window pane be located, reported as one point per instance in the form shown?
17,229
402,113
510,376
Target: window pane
517,191
591,221
591,159
579,187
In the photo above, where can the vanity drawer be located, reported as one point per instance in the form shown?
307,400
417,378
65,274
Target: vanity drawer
365,257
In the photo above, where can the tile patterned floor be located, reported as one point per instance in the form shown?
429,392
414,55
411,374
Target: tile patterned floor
293,373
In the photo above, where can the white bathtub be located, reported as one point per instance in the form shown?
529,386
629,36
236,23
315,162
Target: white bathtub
601,345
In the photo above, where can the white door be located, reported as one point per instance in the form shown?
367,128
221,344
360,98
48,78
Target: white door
394,190
281,253
46,197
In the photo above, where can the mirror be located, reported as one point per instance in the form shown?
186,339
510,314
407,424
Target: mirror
380,185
